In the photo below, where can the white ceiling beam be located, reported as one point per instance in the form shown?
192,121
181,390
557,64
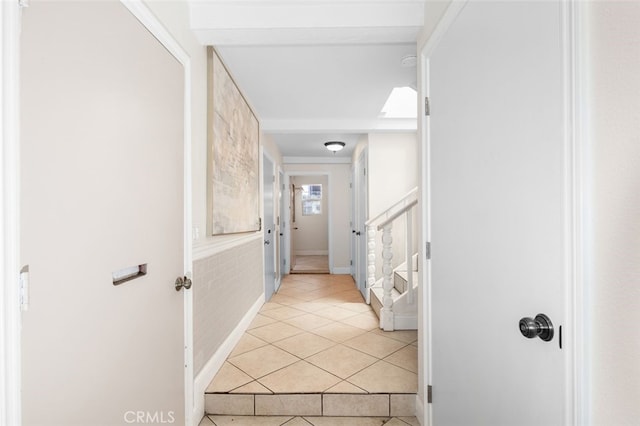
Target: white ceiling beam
319,22
339,126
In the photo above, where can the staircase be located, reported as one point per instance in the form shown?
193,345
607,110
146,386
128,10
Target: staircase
393,295
404,312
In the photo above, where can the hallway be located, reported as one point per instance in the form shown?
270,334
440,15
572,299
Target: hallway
316,350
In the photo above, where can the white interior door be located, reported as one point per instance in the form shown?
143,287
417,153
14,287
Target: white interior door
102,190
361,229
500,216
268,228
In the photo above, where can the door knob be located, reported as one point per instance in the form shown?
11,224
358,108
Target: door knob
540,326
267,242
183,282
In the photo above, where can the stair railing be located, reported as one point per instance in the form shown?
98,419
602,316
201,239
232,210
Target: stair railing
384,222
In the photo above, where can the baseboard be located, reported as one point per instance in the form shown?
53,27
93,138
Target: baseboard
405,322
342,270
214,364
421,411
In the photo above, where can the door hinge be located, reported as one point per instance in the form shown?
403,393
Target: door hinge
351,262
427,250
365,171
427,108
274,178
24,288
429,394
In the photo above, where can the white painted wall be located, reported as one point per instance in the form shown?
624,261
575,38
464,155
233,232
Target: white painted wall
392,173
339,230
613,219
312,235
393,169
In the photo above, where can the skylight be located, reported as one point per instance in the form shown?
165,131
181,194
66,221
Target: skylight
402,103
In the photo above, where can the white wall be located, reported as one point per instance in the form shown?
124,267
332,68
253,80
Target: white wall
614,211
339,202
312,235
393,168
392,173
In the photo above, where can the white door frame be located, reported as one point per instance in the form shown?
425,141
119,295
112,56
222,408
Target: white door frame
576,133
288,235
10,17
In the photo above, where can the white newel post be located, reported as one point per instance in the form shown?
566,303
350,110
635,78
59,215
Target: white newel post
371,259
409,257
386,313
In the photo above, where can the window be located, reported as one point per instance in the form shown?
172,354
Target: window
311,199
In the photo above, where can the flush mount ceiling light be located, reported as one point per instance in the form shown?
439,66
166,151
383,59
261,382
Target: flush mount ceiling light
334,145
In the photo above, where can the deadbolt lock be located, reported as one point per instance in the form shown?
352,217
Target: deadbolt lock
539,326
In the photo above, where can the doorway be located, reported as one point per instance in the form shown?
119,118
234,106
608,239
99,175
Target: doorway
309,224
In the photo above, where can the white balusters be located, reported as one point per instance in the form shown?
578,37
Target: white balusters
371,260
409,256
386,313
384,222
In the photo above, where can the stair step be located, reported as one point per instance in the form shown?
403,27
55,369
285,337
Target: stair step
376,298
312,404
400,280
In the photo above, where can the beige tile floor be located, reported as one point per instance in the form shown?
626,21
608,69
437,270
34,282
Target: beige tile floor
311,264
317,337
307,421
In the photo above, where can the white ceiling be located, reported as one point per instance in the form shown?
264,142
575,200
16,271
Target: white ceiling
314,70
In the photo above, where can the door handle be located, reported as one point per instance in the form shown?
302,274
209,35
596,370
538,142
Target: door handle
267,242
539,326
358,233
183,282
295,227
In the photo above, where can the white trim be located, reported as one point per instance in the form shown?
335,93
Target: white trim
316,160
448,18
10,337
155,27
341,270
214,364
576,56
218,244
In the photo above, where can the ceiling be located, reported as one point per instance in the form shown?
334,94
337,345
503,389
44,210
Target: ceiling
315,70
